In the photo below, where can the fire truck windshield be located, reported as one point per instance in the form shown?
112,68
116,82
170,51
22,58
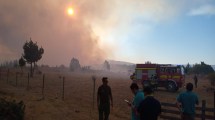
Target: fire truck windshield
182,70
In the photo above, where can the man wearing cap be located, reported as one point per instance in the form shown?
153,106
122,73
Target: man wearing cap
104,99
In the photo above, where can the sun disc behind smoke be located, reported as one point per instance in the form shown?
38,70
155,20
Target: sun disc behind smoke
70,11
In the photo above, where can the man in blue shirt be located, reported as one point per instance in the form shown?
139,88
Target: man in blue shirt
139,96
186,102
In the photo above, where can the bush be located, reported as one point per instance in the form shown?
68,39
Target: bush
11,110
211,77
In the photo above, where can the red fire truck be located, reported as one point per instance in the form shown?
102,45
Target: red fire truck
160,75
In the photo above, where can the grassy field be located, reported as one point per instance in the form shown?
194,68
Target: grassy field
78,94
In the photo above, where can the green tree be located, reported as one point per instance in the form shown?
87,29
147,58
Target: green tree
148,62
187,68
74,64
106,65
15,63
202,69
211,78
10,64
32,54
22,63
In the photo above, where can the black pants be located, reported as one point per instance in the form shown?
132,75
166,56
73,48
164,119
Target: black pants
186,116
104,109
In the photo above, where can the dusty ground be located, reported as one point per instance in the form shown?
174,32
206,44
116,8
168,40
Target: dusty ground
78,98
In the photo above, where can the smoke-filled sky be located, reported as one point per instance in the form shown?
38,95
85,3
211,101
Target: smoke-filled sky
160,31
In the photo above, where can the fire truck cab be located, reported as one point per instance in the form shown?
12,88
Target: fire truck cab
168,76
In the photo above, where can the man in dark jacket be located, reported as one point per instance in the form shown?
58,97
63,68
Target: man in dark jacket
149,108
104,99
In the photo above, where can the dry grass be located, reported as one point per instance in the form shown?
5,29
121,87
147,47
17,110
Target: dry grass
78,102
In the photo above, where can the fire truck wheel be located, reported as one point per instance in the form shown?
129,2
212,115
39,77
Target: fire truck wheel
171,86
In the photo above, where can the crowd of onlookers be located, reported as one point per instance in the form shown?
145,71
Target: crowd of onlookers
144,106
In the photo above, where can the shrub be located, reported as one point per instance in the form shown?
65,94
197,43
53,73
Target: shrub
11,110
211,77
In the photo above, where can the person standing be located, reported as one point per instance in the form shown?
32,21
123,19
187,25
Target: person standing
186,102
104,99
149,108
195,80
138,97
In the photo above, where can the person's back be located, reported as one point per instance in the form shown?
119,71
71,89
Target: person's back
187,100
149,108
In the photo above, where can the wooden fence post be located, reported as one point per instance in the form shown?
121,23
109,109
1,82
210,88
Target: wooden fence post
214,103
43,86
203,109
0,74
63,89
28,81
7,75
16,77
94,82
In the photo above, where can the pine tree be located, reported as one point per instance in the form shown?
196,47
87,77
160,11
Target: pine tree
32,54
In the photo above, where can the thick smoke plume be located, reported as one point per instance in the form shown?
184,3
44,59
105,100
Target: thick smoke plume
46,22
97,30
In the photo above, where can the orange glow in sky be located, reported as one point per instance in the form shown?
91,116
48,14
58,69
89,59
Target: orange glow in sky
70,11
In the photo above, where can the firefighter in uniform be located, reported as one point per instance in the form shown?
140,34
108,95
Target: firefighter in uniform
154,81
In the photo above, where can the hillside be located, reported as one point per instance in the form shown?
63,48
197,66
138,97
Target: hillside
114,62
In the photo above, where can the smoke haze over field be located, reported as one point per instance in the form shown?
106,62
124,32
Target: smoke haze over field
84,35
123,30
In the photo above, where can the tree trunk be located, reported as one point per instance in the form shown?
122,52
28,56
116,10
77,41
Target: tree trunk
33,67
31,70
21,71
